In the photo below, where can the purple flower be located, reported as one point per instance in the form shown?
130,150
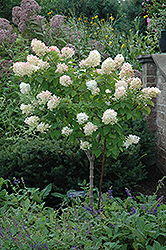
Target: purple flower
74,248
128,192
28,10
110,193
45,246
133,210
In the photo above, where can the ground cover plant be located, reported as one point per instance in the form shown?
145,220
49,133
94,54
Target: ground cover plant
132,223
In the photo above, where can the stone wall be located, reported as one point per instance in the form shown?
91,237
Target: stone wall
154,75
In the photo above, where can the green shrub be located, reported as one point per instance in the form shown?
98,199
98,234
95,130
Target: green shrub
81,8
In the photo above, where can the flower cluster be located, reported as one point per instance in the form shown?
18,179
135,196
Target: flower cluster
6,32
109,117
131,139
90,128
53,102
32,121
121,83
119,59
43,97
82,118
61,68
24,68
34,60
92,60
39,47
126,71
65,80
54,48
151,92
95,91
85,145
108,66
26,109
25,88
42,127
56,21
91,85
135,84
120,92
67,52
28,11
66,131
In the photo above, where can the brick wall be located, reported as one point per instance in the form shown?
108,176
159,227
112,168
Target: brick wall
154,75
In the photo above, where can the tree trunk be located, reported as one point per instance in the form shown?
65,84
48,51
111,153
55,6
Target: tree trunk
91,159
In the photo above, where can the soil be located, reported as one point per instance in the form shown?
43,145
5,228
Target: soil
149,186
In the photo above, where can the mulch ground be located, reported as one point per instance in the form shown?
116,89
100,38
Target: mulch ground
148,187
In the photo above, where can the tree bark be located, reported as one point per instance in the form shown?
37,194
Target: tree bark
102,171
91,159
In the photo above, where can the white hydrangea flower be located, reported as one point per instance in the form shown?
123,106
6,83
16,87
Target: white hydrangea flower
151,92
93,59
135,84
32,121
43,65
61,68
66,131
67,52
25,88
119,59
65,80
126,71
108,66
43,97
91,85
90,128
26,109
33,60
109,117
95,91
24,68
53,102
120,92
131,139
121,83
85,145
39,47
54,48
42,127
82,118
83,63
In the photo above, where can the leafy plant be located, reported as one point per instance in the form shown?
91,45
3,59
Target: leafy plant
133,223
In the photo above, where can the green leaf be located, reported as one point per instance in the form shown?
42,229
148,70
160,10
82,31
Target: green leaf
97,152
106,129
44,84
73,93
58,195
45,192
39,78
26,204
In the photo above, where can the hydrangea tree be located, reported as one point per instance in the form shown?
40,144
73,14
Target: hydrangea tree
87,102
